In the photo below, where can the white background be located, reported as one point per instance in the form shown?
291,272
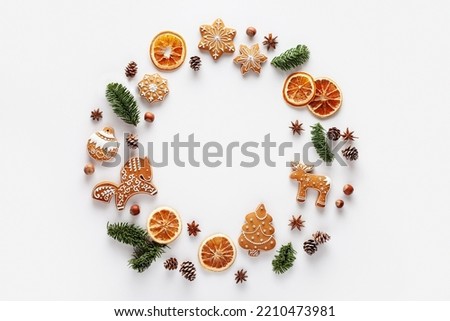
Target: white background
391,60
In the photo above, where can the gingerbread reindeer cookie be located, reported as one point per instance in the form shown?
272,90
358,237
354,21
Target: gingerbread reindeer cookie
301,173
135,178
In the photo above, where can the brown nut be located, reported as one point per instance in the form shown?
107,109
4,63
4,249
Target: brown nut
339,203
348,189
150,117
135,209
89,169
251,32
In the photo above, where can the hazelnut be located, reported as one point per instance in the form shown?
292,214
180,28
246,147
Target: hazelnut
135,209
339,203
348,189
150,117
89,169
251,32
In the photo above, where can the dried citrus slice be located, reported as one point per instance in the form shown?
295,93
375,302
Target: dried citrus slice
327,100
164,225
168,50
299,89
217,253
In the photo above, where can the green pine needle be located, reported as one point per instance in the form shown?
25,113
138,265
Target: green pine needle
123,103
319,140
291,58
128,234
144,257
145,250
285,259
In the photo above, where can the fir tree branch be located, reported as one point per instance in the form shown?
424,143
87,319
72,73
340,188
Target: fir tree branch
128,234
291,58
285,259
123,103
319,140
143,257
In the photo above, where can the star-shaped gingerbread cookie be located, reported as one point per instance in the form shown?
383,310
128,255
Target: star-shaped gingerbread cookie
217,39
250,58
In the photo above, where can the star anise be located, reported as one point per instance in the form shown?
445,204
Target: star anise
296,222
193,228
96,114
240,276
296,127
270,42
348,135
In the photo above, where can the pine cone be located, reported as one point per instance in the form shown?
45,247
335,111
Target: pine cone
132,141
310,247
187,269
195,62
351,153
131,69
171,264
320,237
334,133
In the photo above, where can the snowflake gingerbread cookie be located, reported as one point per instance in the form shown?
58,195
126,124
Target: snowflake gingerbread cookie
135,178
258,232
153,88
250,59
217,39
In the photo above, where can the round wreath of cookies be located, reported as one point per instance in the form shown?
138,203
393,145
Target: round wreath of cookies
320,95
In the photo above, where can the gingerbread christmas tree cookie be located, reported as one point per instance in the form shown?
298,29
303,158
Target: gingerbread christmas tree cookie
217,39
135,178
250,58
257,232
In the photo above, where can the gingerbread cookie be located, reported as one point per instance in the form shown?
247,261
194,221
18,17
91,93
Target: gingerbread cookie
135,178
153,88
217,39
250,58
103,144
301,173
257,232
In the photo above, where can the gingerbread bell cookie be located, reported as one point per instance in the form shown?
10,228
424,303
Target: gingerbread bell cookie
258,232
153,88
135,178
217,39
250,59
103,144
306,180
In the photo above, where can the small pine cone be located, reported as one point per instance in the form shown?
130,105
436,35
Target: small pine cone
334,133
195,62
131,69
171,264
320,237
187,269
351,153
132,141
310,247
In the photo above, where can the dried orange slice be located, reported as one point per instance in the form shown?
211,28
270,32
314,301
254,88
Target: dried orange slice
299,89
327,100
168,50
217,253
164,225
